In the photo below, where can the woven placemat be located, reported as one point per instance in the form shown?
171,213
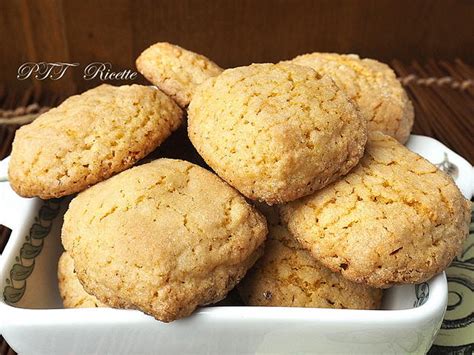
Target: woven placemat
443,96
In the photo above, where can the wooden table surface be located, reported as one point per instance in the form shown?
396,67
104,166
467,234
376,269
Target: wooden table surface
230,32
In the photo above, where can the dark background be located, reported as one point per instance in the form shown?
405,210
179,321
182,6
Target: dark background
230,32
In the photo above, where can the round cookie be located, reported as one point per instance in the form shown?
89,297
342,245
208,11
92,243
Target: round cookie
175,70
393,219
163,237
288,276
372,85
88,138
276,132
70,288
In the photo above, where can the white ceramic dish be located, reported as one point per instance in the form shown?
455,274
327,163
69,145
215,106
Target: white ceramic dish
33,322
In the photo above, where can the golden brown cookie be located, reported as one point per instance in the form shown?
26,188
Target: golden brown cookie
175,70
276,132
372,85
88,138
288,276
163,237
393,219
70,288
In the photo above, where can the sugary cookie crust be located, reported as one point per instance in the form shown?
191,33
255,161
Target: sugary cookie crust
175,70
88,138
163,237
70,288
288,276
276,132
372,85
393,219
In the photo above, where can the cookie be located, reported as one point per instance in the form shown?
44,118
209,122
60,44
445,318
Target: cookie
70,288
276,132
164,237
288,276
88,138
175,70
393,219
372,85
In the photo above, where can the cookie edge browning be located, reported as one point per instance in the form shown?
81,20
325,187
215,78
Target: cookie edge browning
355,151
170,311
68,282
169,314
397,278
276,249
55,190
172,87
407,114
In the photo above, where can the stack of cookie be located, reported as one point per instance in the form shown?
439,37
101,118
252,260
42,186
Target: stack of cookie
313,200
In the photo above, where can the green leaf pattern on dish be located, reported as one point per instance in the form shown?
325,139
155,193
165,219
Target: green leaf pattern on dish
25,261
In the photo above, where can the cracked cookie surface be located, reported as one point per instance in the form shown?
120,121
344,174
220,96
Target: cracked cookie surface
393,219
175,70
70,289
276,132
288,276
88,138
163,237
372,85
